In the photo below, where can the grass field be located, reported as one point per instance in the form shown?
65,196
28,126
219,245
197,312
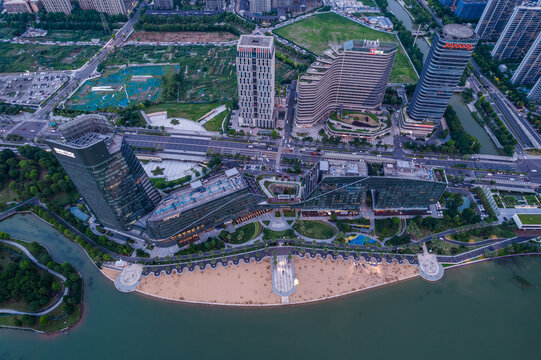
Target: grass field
242,234
134,83
215,124
76,35
314,229
6,32
26,57
530,219
187,111
209,72
317,33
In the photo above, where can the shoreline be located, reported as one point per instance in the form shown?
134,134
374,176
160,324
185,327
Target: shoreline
155,296
325,279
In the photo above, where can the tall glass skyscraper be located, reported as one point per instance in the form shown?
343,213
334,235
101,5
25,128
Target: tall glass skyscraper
451,50
105,171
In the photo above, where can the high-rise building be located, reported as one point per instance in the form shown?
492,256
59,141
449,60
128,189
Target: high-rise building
494,18
164,4
281,3
260,6
255,80
519,33
214,4
529,69
535,94
451,51
57,6
353,77
470,9
105,171
111,7
17,6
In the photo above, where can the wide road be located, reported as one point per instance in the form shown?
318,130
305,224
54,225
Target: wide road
90,67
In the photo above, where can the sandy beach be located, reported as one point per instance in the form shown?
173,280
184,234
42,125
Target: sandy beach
250,284
321,279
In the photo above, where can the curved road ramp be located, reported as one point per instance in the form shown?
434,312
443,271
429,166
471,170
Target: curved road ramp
283,277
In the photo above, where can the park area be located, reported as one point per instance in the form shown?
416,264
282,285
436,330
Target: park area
29,57
118,87
314,229
319,32
182,36
208,72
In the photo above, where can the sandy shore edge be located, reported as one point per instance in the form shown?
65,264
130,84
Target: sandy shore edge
249,285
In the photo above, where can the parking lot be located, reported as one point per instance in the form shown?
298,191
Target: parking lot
30,88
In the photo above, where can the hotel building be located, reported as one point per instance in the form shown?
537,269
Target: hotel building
255,81
353,77
451,51
105,171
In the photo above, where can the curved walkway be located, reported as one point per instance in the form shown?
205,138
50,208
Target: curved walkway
31,257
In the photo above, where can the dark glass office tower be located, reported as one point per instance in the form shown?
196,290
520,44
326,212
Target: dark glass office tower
451,50
105,171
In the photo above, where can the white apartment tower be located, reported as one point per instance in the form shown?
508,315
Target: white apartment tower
57,6
164,4
260,6
111,7
255,81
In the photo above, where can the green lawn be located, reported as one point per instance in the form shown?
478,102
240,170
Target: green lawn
6,32
242,234
530,219
317,33
314,229
76,35
215,124
26,57
180,110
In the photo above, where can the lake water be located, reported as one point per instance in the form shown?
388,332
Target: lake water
471,126
484,311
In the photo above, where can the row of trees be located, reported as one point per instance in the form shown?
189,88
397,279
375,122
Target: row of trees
460,143
497,126
180,23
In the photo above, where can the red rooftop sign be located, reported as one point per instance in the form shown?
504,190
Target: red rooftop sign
458,46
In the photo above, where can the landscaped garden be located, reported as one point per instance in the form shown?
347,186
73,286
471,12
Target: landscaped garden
319,32
242,234
314,229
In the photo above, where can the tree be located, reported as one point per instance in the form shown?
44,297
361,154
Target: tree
44,320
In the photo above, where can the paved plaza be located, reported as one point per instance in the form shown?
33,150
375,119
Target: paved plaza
429,267
129,277
283,277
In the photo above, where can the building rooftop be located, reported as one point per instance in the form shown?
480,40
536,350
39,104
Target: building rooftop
256,41
458,32
195,195
370,46
87,130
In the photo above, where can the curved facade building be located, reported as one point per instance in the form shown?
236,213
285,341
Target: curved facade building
352,78
451,51
105,171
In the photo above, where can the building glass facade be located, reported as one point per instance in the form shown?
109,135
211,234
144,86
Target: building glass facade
449,55
105,171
